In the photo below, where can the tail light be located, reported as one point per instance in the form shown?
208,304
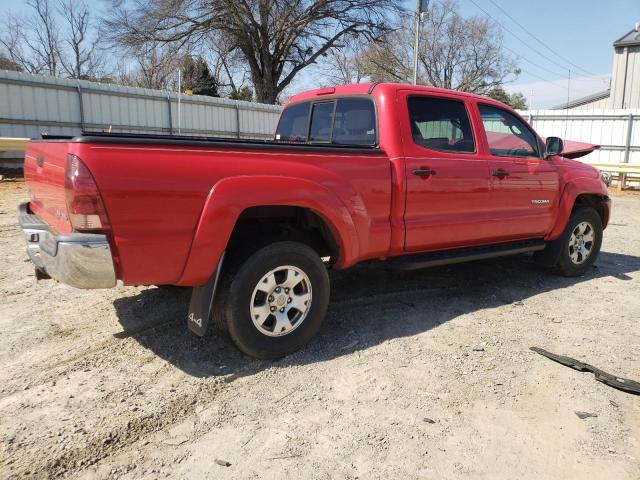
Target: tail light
84,203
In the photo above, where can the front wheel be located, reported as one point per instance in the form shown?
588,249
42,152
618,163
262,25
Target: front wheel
580,243
274,301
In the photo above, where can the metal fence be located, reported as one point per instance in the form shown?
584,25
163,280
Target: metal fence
616,131
35,104
32,104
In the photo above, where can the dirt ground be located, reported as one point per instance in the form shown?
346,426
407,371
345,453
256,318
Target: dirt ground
414,375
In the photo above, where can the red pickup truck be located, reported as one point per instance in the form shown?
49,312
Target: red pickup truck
413,175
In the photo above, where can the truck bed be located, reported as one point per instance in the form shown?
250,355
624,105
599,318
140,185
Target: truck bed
197,141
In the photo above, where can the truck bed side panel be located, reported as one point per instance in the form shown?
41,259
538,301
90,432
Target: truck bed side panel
155,195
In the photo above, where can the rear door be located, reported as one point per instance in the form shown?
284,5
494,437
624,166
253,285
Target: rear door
524,186
447,181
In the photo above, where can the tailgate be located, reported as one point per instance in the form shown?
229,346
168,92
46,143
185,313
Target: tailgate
44,173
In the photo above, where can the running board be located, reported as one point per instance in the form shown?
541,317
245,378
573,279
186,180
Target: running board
460,255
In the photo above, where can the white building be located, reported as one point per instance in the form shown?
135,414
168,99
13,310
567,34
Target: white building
625,78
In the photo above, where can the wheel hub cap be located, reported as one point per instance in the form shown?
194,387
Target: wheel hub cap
281,301
581,242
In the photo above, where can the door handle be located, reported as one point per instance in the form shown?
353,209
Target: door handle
424,172
500,173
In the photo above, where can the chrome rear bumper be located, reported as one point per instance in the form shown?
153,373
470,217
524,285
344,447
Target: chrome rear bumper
82,260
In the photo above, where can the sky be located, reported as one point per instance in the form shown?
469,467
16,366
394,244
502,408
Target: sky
581,31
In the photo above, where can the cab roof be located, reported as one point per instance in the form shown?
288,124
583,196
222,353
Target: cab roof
375,88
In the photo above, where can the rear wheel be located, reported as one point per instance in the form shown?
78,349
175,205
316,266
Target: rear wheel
580,243
273,301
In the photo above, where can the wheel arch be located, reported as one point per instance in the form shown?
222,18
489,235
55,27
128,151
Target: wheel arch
595,201
592,195
286,222
233,201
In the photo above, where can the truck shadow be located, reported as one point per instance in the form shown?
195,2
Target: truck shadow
369,305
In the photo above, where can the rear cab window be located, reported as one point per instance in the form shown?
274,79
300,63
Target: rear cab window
293,124
321,122
440,124
342,121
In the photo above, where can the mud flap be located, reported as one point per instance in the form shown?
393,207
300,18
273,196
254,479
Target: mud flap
201,305
41,274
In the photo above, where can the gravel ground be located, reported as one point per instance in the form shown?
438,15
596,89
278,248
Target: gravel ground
425,374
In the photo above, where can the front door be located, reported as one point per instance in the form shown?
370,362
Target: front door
447,181
524,186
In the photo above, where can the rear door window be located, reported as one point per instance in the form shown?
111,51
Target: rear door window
355,122
440,124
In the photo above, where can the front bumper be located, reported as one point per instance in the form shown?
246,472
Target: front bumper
82,260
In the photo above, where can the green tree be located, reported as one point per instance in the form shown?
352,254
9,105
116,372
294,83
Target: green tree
518,101
242,93
197,77
515,100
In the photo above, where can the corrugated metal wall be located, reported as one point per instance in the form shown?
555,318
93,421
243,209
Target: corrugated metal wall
625,80
616,131
33,104
594,105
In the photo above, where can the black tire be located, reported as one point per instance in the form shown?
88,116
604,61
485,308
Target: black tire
234,297
564,264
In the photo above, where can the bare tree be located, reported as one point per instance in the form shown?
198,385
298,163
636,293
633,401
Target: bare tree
53,40
13,44
277,38
389,60
82,60
455,52
44,44
150,67
227,64
345,63
33,43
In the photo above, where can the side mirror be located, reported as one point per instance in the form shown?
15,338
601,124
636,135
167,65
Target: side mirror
553,146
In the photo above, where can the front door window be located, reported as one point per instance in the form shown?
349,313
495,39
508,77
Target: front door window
507,135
